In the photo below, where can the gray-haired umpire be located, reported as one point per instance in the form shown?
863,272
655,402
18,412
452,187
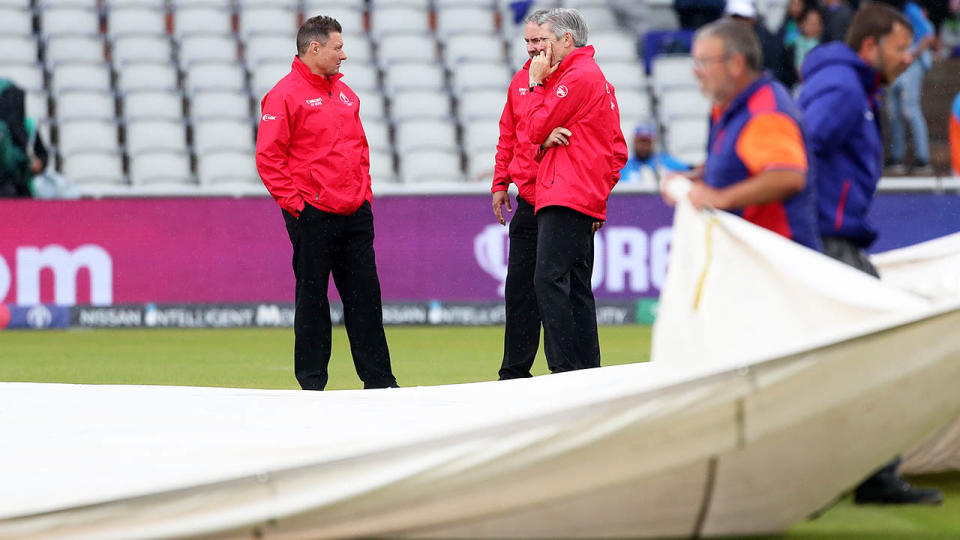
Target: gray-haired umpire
313,157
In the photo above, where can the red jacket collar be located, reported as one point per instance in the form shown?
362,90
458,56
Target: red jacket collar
325,83
576,56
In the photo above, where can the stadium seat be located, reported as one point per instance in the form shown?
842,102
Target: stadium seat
146,76
480,136
151,135
358,47
15,21
216,104
349,15
153,4
481,103
46,4
430,166
371,105
131,48
381,168
673,70
94,168
455,20
480,75
686,138
264,19
202,18
15,48
480,165
385,20
634,103
425,134
420,104
662,17
412,76
411,47
599,17
269,47
86,135
378,135
80,76
419,4
624,75
227,167
614,46
65,48
207,48
37,106
473,47
160,167
290,5
357,75
682,102
26,76
18,4
85,105
214,76
218,135
66,20
266,74
489,4
152,104
189,4
136,20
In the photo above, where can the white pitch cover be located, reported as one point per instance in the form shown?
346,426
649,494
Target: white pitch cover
780,379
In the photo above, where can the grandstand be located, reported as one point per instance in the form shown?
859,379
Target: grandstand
144,97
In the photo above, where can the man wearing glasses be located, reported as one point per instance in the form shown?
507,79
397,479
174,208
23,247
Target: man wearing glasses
757,159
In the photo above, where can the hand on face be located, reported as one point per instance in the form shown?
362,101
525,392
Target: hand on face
542,66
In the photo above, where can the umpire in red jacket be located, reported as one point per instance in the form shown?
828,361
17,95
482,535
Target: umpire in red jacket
313,157
573,115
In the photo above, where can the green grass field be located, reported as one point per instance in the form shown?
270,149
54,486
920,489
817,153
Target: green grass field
257,358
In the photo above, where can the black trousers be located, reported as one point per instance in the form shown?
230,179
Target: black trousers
562,283
853,255
521,337
326,243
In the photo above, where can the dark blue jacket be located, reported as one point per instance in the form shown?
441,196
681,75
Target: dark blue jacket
839,98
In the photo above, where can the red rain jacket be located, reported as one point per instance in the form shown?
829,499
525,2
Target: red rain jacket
516,155
578,97
311,146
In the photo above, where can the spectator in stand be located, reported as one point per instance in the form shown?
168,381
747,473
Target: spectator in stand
647,167
903,99
954,129
15,163
789,30
695,13
811,28
774,53
837,20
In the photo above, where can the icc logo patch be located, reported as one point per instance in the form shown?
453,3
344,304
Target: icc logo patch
561,91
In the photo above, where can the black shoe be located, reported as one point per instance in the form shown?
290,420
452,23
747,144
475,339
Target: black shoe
895,490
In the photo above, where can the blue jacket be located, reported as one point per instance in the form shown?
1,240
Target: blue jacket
794,217
840,103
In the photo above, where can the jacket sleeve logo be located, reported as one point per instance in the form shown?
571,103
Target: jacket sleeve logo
267,116
561,91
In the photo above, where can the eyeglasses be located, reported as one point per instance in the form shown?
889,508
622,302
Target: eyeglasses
700,63
540,40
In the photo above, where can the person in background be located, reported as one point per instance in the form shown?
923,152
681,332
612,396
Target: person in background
693,14
15,162
757,158
647,167
774,53
811,28
313,157
954,129
837,20
516,164
839,98
903,98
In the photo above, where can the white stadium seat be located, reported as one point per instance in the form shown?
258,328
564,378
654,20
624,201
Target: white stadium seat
160,167
265,75
85,105
26,76
67,20
152,104
634,103
412,47
269,47
267,19
381,168
136,20
613,45
412,76
94,168
133,48
207,48
227,167
476,75
480,165
682,102
214,76
86,135
218,104
481,104
624,75
455,20
672,70
80,76
378,135
425,134
15,48
37,107
349,16
420,104
480,135
384,20
473,47
358,48
66,48
217,135
152,135
686,138
146,76
202,18
599,17
430,166
371,105
357,75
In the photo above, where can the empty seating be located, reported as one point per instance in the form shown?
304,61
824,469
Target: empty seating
133,48
672,70
599,17
15,48
268,20
269,47
430,166
26,76
381,167
266,74
220,134
207,47
687,139
160,167
85,105
683,102
412,76
214,76
37,107
624,75
480,165
93,168
202,18
420,104
371,105
476,75
384,20
613,46
155,134
454,20
480,135
86,135
414,47
80,76
473,47
152,104
483,103
64,48
350,16
358,48
15,21
378,135
357,75
227,167
67,20
136,20
633,103
220,105
420,134
146,76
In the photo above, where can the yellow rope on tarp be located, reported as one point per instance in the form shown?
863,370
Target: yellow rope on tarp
708,259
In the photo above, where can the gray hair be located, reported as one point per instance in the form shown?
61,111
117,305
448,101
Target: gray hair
738,38
563,20
536,17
